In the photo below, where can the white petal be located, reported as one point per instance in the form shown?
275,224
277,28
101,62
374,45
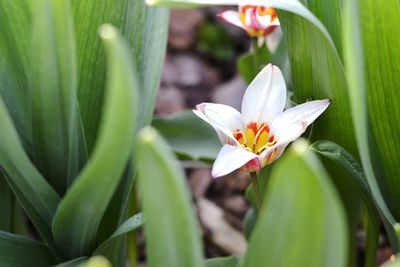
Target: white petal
273,153
224,119
231,17
289,125
265,97
274,38
265,21
231,158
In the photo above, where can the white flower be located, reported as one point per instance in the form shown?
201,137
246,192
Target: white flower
258,21
259,135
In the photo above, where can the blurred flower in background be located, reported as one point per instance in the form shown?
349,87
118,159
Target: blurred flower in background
259,22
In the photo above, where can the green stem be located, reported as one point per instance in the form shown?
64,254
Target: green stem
256,52
256,188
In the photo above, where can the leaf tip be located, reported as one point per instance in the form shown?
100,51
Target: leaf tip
148,135
300,146
150,2
107,32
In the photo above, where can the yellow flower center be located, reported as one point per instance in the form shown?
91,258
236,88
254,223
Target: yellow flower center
256,137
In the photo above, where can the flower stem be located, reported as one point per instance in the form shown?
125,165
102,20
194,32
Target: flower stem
255,49
256,188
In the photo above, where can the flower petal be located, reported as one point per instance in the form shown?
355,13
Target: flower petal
272,153
224,119
231,158
265,97
231,17
289,125
274,38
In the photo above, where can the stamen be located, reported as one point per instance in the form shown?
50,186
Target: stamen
256,137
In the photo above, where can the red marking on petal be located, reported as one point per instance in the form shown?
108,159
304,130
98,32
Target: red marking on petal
253,126
271,138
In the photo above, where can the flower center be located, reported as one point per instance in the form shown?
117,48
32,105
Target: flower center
256,137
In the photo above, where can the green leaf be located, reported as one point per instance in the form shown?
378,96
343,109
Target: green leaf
34,194
230,261
372,66
6,200
15,31
53,79
251,63
131,224
72,263
188,136
344,159
22,252
301,213
145,29
172,234
317,72
79,214
249,222
148,40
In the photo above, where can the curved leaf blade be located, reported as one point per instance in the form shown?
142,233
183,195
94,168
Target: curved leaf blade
34,194
20,251
53,79
131,224
15,31
183,130
173,237
79,214
344,159
301,213
145,28
374,83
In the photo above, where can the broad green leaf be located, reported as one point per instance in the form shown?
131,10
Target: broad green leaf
317,72
53,79
6,210
145,29
373,65
172,233
15,33
344,159
230,261
131,224
308,48
79,214
148,40
32,191
189,137
22,252
301,213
